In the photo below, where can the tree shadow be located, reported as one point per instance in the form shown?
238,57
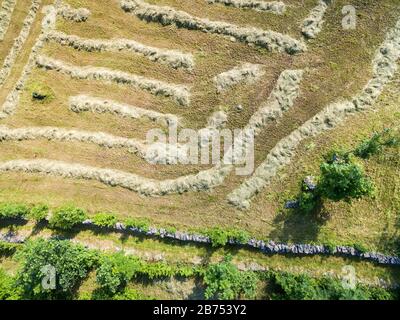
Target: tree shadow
292,225
12,222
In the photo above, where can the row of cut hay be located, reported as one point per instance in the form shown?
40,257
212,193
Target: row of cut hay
12,99
179,93
384,68
6,11
171,154
283,96
247,73
72,14
312,25
202,181
19,41
172,58
169,16
84,103
277,7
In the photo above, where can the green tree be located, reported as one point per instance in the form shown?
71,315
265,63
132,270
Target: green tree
343,180
71,264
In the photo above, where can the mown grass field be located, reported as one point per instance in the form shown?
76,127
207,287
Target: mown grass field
337,65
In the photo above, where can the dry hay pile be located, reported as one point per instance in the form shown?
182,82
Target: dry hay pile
179,93
169,16
6,11
173,58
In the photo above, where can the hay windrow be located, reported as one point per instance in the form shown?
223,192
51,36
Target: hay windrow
168,16
172,58
179,93
72,14
312,25
84,103
6,11
248,73
283,96
19,41
202,181
171,153
384,68
12,99
277,7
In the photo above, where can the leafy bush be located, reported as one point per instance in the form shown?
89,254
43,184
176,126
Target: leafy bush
142,224
286,286
67,217
218,237
343,180
72,264
39,212
308,202
105,220
293,287
361,248
239,236
224,281
157,270
13,210
40,92
116,270
8,289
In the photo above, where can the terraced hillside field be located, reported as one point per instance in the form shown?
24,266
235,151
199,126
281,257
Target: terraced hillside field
83,82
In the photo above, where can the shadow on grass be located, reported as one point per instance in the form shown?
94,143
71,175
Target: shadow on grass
292,225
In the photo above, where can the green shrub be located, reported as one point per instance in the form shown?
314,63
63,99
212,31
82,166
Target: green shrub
71,263
239,235
185,271
218,237
8,289
142,223
330,246
293,287
286,286
116,270
308,202
157,270
224,281
40,92
105,220
13,210
39,212
359,247
344,180
67,217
